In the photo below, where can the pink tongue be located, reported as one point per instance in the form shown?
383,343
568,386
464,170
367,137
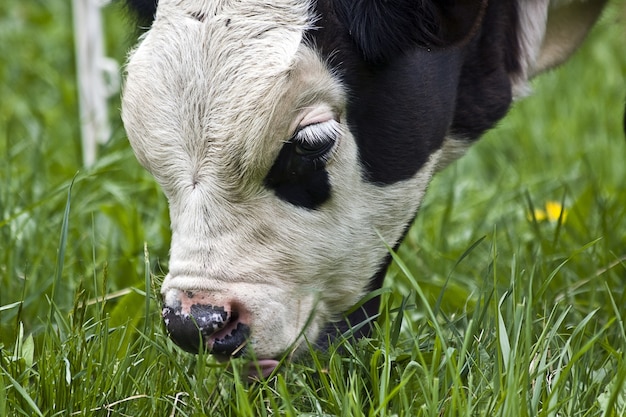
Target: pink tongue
261,369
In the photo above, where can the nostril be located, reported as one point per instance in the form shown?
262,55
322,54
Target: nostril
208,327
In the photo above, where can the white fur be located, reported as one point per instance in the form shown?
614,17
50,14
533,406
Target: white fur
451,150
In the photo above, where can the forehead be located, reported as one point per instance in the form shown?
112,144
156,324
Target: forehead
224,72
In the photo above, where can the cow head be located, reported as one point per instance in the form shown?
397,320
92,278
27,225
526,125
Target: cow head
293,145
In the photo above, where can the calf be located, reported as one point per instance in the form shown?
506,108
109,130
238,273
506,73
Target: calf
294,138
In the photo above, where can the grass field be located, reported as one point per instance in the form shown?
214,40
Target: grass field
491,309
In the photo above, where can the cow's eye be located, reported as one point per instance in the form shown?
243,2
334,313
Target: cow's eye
299,174
315,141
313,150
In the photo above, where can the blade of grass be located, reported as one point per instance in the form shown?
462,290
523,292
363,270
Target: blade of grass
3,393
24,393
147,278
62,243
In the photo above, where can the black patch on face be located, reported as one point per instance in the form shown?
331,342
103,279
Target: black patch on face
403,100
398,111
299,179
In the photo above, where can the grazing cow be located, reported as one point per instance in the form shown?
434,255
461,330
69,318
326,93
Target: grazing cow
294,138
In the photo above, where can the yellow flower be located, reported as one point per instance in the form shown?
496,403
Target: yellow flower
553,211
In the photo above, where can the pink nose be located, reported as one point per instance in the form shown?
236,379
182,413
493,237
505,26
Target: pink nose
193,324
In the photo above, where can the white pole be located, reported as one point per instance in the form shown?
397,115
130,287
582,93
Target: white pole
98,76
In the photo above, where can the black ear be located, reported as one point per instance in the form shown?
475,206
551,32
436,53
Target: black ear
384,28
143,9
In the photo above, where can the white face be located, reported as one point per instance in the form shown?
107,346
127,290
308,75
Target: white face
213,93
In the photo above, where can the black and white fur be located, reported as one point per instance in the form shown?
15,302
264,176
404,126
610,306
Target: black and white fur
294,139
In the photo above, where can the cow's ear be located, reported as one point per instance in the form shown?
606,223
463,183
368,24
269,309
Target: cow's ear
567,26
384,28
144,10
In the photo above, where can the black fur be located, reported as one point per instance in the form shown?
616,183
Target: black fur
143,9
401,108
297,179
484,92
399,113
383,29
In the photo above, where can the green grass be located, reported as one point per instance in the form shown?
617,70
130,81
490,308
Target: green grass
488,311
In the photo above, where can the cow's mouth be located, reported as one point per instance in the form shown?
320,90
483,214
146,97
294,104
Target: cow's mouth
215,330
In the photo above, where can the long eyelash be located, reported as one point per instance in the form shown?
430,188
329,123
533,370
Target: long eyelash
319,132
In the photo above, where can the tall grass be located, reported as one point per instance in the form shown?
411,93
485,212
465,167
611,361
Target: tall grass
489,309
